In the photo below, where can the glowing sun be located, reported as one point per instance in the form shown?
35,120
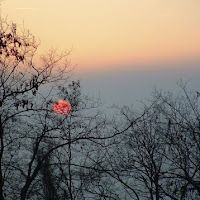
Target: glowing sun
62,107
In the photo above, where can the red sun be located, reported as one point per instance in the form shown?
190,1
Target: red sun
62,107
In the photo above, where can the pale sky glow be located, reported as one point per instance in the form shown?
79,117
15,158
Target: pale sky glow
114,32
25,8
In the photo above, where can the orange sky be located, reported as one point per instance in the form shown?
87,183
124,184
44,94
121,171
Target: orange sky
113,32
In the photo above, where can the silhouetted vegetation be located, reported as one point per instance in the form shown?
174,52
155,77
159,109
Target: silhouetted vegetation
149,153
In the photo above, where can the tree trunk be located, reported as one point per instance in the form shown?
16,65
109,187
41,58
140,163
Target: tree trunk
1,156
24,192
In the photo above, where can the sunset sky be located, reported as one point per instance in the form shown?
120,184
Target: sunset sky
115,34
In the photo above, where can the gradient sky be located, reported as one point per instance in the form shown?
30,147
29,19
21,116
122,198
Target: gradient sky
127,36
113,32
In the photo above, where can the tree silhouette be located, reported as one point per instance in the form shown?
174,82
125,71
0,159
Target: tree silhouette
158,157
21,84
41,151
151,153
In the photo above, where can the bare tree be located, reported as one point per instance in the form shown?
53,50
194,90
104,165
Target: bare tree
158,157
153,154
182,136
38,148
21,84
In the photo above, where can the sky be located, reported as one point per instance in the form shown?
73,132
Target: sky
121,48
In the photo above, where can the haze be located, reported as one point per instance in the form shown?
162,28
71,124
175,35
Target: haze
119,45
